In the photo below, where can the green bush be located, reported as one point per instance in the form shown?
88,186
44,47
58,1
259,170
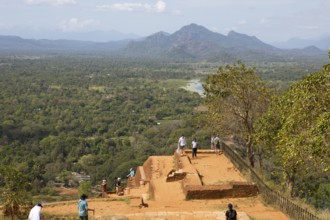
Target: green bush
321,199
85,187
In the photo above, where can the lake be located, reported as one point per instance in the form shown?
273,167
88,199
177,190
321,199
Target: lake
195,85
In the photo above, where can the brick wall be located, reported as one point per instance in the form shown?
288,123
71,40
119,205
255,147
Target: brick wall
230,190
139,176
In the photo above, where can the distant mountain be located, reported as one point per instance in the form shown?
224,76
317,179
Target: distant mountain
298,43
95,36
18,44
195,42
191,43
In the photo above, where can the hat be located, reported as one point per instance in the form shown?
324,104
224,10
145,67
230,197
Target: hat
104,181
118,178
131,169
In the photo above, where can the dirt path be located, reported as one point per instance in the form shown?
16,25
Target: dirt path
169,202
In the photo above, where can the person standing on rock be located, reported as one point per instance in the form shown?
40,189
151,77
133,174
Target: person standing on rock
231,213
194,148
182,144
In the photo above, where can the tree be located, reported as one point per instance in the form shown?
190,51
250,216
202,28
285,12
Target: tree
85,187
13,192
236,97
297,125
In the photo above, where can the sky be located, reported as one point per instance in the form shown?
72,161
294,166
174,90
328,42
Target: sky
268,20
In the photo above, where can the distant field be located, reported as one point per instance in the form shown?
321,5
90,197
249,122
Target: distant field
97,88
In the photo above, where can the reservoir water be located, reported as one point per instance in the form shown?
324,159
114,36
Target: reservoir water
195,85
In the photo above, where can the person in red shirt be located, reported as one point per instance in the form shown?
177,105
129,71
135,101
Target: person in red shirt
104,187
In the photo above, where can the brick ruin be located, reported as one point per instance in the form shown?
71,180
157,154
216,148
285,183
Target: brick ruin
191,182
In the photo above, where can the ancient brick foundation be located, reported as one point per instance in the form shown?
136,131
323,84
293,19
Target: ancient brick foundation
230,190
191,182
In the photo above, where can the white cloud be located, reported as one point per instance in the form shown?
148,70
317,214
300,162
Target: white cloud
263,21
121,7
158,7
50,2
307,27
242,22
177,12
74,25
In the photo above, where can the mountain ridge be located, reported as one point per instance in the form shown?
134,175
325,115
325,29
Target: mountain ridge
190,43
322,43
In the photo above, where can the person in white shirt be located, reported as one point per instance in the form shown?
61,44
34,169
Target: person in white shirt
212,143
182,144
217,142
194,148
35,212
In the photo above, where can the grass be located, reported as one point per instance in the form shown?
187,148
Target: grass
97,88
174,83
55,87
54,198
46,215
127,200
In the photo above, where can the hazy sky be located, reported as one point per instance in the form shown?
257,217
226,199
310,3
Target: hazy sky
269,20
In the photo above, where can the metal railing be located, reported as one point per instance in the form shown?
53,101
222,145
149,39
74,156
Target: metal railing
269,196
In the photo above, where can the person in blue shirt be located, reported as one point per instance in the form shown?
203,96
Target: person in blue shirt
131,173
83,208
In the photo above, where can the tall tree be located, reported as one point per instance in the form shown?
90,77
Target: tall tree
13,192
297,125
236,97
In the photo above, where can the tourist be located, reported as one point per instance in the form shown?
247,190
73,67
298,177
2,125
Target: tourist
217,142
117,185
194,148
182,144
212,144
104,187
83,208
131,173
231,213
35,212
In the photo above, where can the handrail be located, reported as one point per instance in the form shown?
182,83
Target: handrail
270,196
